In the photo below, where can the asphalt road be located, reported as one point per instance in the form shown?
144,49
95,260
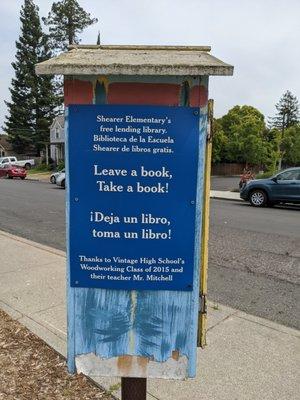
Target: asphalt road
33,210
254,253
254,260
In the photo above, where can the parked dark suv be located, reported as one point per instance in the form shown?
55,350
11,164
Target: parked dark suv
283,187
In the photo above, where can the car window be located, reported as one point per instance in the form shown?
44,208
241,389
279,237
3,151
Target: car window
5,160
289,175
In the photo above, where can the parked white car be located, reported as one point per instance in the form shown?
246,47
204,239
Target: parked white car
61,180
55,175
13,161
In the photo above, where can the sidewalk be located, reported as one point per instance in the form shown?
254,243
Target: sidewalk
246,358
225,195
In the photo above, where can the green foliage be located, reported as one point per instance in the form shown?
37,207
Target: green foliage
287,112
264,175
98,39
220,141
40,168
32,104
239,137
291,145
114,388
65,21
287,116
60,166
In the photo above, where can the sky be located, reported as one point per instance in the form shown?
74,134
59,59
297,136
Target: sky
259,37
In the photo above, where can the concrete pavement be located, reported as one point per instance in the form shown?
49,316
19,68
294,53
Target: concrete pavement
246,358
225,195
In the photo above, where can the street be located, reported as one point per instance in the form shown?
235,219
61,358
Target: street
254,254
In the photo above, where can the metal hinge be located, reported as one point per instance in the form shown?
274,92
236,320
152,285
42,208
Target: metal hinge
202,321
210,115
202,304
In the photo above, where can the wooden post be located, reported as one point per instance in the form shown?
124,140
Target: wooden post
134,389
202,320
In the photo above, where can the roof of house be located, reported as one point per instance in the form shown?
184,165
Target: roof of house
5,143
135,60
59,119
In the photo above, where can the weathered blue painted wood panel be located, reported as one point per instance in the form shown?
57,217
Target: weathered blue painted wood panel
145,333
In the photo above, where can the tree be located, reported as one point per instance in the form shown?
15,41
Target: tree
241,134
291,145
98,39
272,139
48,101
65,21
287,115
287,112
33,103
220,141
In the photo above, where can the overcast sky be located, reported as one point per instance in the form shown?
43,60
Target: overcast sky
261,38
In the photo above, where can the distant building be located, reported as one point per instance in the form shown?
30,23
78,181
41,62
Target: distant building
57,139
5,146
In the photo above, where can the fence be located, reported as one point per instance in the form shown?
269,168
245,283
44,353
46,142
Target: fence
227,169
232,169
37,160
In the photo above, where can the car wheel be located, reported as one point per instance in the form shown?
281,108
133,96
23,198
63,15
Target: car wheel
63,184
258,198
9,176
22,177
27,165
52,179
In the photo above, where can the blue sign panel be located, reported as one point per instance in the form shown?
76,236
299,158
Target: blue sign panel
132,196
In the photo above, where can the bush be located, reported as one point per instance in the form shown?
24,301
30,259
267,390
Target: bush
42,168
60,166
264,175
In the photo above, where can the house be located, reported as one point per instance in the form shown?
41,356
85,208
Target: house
5,147
57,139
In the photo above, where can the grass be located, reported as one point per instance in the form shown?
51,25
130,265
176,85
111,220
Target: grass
40,168
35,172
114,388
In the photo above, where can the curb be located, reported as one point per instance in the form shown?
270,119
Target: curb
37,180
216,197
34,244
39,176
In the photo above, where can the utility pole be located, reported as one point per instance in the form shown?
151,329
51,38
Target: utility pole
47,154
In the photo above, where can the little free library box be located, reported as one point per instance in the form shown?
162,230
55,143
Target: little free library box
137,172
